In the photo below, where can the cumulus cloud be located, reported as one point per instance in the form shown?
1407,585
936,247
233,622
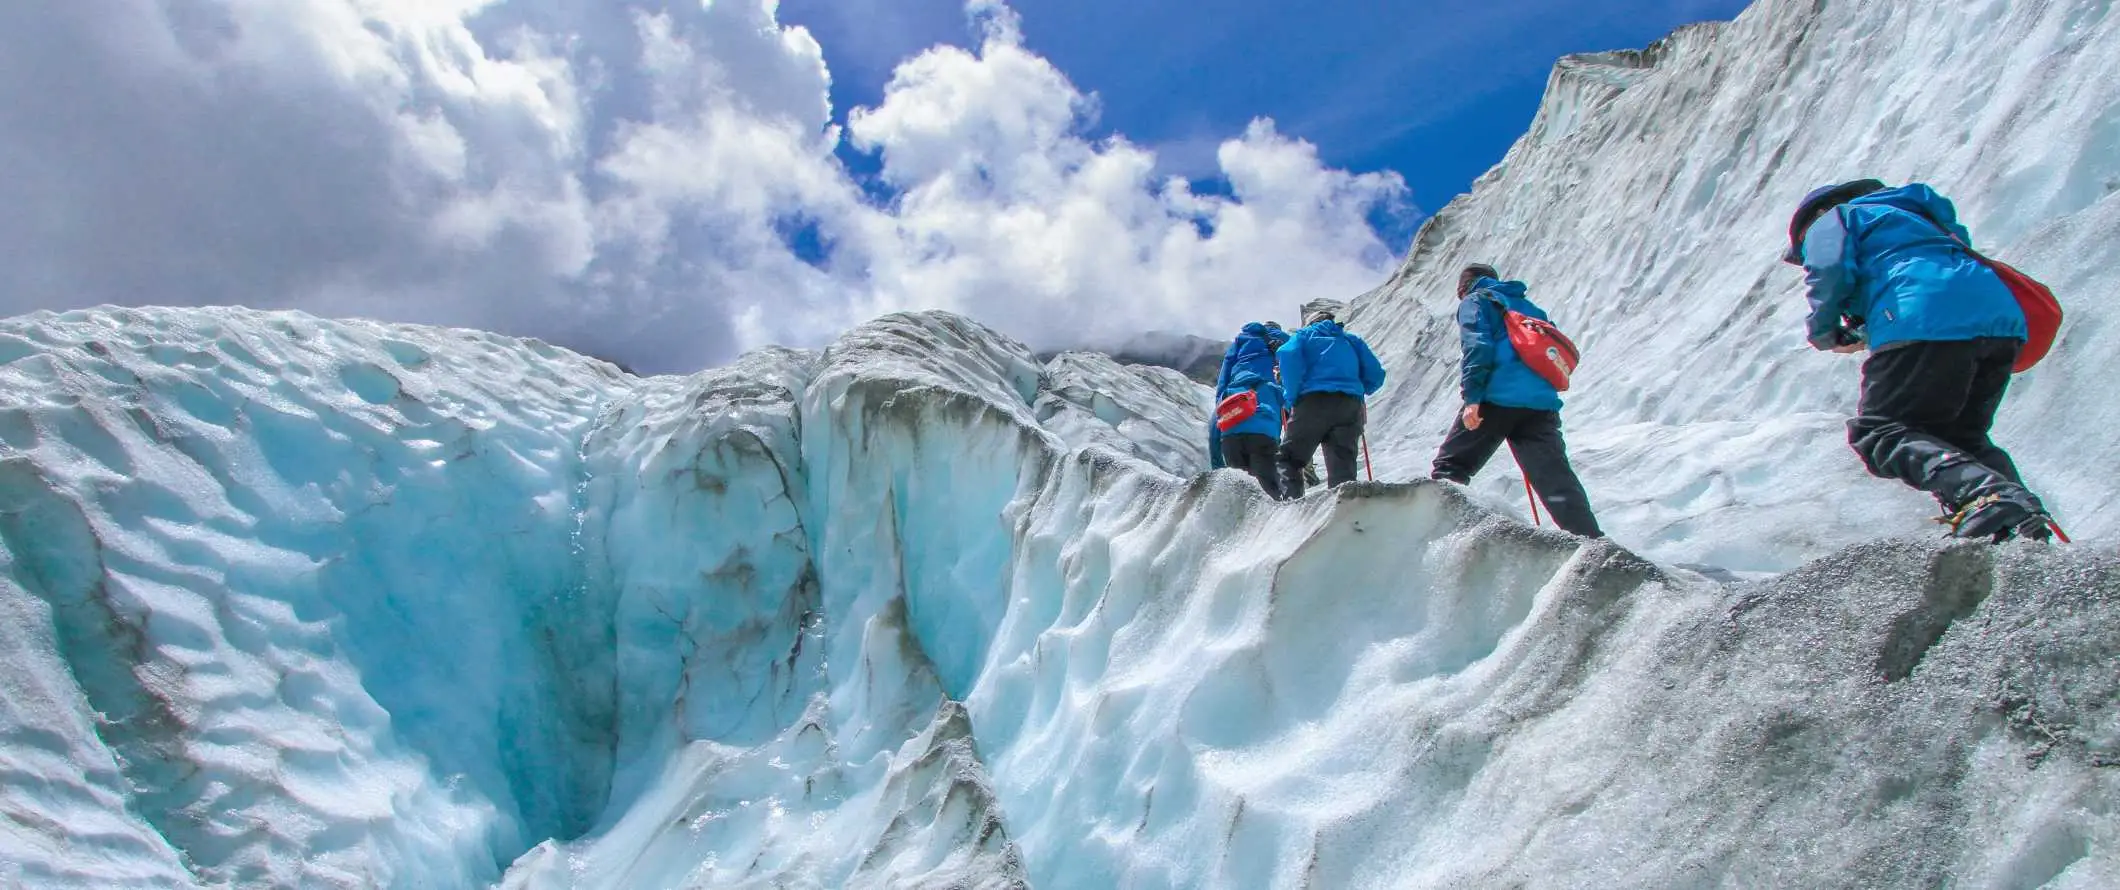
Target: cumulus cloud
655,182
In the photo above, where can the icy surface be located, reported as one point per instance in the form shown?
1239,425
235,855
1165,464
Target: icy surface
1153,413
291,602
1647,206
311,603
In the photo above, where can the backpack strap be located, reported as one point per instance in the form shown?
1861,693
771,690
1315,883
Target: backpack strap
1947,233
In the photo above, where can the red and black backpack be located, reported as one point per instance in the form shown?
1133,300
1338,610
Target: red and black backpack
1539,344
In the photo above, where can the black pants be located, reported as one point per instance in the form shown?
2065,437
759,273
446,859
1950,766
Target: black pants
1535,438
1331,419
1927,408
1253,453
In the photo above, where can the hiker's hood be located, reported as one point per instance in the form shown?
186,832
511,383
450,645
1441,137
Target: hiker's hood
1510,290
1273,336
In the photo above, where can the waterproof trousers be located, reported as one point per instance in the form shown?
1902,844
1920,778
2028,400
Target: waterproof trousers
1925,414
1329,419
1534,437
1255,454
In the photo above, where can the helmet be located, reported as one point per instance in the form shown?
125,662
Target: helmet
1816,204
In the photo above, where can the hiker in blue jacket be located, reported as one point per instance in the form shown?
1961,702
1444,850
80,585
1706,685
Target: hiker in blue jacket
1506,401
1250,445
1326,373
1890,271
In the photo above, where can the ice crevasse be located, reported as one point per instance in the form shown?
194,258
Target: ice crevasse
295,602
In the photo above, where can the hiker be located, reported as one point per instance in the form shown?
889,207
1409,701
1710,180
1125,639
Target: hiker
1326,373
1891,271
1507,401
1249,444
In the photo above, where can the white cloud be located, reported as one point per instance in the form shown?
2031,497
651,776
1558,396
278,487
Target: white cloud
619,178
1010,214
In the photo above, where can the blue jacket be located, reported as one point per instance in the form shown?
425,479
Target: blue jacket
1325,358
1880,271
1491,372
1249,365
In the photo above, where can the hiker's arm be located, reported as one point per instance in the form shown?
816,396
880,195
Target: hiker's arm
1372,370
1292,367
1831,279
1229,359
1478,365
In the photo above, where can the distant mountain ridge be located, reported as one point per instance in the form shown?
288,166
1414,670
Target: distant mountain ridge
1197,357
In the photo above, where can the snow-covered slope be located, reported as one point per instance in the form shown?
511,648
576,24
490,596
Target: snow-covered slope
305,603
1647,206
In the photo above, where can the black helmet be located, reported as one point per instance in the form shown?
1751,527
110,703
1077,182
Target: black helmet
1816,204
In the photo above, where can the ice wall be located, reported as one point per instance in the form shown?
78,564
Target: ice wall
301,602
282,614
1646,208
291,602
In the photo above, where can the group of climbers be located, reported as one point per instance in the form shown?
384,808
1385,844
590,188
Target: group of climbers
1890,271
1293,393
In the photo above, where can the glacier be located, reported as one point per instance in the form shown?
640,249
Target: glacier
300,602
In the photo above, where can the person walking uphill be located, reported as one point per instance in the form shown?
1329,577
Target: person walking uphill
1506,401
1326,374
1890,270
1248,366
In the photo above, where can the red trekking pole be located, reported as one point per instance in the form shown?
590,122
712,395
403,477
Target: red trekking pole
1532,496
1366,468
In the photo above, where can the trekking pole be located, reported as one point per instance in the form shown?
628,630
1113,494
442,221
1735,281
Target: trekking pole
1532,496
1366,468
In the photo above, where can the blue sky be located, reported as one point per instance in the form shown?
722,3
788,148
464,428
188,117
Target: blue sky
1435,91
659,181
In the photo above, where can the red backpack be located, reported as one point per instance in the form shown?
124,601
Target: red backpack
2042,312
1540,345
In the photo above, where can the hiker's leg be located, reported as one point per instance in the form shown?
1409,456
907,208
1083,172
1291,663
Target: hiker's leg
1465,452
1991,379
1541,451
1342,446
1305,432
1254,453
1910,395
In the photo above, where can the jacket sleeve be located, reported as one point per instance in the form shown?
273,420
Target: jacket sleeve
1292,366
1477,338
1229,361
1366,363
1831,278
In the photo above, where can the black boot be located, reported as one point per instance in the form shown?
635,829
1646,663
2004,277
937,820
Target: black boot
1981,503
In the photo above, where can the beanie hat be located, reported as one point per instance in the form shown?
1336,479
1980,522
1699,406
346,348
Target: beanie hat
1816,204
1319,314
1473,273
